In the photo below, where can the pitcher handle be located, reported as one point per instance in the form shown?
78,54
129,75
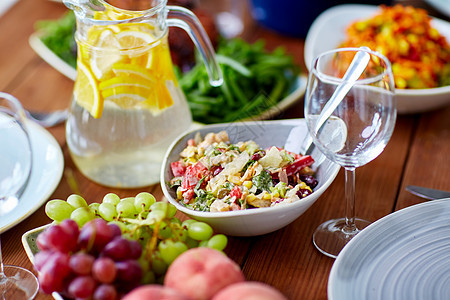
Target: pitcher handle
183,18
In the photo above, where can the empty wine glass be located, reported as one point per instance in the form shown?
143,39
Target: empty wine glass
355,133
15,170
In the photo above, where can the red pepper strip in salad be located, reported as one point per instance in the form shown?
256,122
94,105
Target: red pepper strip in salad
193,175
298,164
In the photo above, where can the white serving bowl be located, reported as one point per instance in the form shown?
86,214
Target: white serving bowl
329,30
282,133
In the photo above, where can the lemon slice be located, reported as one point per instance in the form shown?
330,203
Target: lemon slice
86,92
134,38
105,54
130,79
124,70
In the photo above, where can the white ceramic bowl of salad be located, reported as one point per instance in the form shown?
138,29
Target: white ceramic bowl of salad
288,134
329,30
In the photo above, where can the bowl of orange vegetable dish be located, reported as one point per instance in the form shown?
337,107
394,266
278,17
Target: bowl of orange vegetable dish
416,44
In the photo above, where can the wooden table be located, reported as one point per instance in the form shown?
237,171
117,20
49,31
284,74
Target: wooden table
418,153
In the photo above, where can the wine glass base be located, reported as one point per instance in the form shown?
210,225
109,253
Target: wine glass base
18,283
331,236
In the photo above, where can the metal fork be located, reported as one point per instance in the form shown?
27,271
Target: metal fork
48,119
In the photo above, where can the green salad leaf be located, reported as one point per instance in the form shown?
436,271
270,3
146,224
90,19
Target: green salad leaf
58,36
254,80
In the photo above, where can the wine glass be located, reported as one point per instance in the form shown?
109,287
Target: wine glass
355,133
15,170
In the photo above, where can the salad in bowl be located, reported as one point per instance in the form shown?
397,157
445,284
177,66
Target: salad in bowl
216,175
248,181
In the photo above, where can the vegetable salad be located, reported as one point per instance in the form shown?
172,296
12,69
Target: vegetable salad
215,175
419,54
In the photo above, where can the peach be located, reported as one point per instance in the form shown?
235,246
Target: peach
154,292
199,273
249,290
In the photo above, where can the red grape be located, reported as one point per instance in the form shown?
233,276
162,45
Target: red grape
135,249
42,241
105,292
71,227
41,258
81,263
104,270
115,230
82,287
129,271
53,273
118,249
56,238
94,235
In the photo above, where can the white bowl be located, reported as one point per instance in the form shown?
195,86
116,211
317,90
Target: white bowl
282,133
329,30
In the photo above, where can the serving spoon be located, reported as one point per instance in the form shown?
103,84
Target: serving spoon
354,71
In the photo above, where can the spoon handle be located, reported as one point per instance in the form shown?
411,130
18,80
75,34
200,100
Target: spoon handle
354,71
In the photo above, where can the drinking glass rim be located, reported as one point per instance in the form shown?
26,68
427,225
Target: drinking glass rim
363,81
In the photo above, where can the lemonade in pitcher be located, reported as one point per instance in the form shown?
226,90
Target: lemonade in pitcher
127,105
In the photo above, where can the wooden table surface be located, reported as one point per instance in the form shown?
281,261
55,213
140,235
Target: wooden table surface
418,153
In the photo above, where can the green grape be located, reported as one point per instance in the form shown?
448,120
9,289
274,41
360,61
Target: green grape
172,210
159,267
107,211
203,244
179,233
148,278
218,242
200,231
125,208
165,231
175,220
168,208
143,201
82,215
111,198
58,210
145,266
145,233
191,243
94,207
76,201
156,215
188,223
170,250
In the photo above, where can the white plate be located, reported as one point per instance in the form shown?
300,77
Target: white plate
47,169
328,31
50,57
403,256
443,6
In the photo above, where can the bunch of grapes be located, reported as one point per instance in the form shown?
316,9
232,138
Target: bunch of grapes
95,261
132,240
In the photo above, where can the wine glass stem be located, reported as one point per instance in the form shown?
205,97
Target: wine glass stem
1,259
350,226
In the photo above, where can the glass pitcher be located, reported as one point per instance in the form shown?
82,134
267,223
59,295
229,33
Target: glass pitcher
127,105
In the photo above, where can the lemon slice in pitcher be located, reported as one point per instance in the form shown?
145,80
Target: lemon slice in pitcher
128,89
86,91
104,53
